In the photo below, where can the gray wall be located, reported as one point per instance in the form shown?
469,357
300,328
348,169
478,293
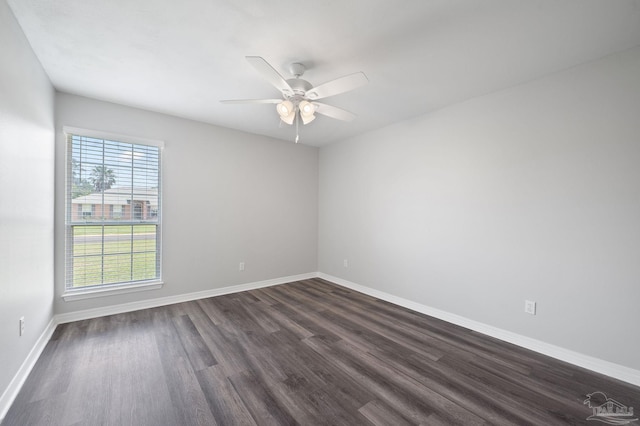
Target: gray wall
228,197
528,193
26,197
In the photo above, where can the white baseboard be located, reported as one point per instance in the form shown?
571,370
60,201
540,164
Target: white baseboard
163,301
607,368
10,393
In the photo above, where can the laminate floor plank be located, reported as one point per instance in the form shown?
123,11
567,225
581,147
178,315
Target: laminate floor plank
462,339
304,353
261,362
393,336
512,393
343,328
259,400
139,392
528,381
299,323
472,395
259,313
191,407
193,343
263,296
380,414
413,407
225,403
284,321
54,373
222,348
48,411
460,392
330,409
434,401
214,313
292,360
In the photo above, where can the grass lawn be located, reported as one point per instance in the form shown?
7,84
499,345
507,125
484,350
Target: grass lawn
124,254
113,229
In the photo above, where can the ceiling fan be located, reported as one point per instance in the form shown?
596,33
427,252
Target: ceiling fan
299,96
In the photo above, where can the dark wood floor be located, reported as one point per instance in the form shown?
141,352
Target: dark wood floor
307,353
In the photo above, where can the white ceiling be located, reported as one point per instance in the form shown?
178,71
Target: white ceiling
182,57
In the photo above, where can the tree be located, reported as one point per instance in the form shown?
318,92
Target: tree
102,178
81,189
79,185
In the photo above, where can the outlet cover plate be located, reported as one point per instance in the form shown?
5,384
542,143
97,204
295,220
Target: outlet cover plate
530,307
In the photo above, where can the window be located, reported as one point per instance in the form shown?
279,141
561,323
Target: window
113,212
116,211
87,211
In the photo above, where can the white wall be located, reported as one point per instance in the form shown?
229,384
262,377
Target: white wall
228,197
26,198
528,193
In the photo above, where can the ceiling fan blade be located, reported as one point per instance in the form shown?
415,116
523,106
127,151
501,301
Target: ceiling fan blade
270,74
334,112
251,101
337,86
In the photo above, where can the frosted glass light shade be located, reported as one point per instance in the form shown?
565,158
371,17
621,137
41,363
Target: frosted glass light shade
307,110
286,111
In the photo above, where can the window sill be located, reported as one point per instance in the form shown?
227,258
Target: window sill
81,294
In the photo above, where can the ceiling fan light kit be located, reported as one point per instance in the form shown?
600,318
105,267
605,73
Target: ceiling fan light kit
299,96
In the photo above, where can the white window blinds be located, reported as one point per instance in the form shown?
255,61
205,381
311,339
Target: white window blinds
113,213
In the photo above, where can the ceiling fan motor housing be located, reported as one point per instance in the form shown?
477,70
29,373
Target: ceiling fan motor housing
299,86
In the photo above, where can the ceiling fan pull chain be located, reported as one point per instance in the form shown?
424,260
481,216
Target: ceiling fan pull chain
297,127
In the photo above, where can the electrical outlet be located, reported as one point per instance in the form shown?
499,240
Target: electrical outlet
241,266
21,326
530,307
346,263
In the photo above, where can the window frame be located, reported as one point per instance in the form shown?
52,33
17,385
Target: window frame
78,293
